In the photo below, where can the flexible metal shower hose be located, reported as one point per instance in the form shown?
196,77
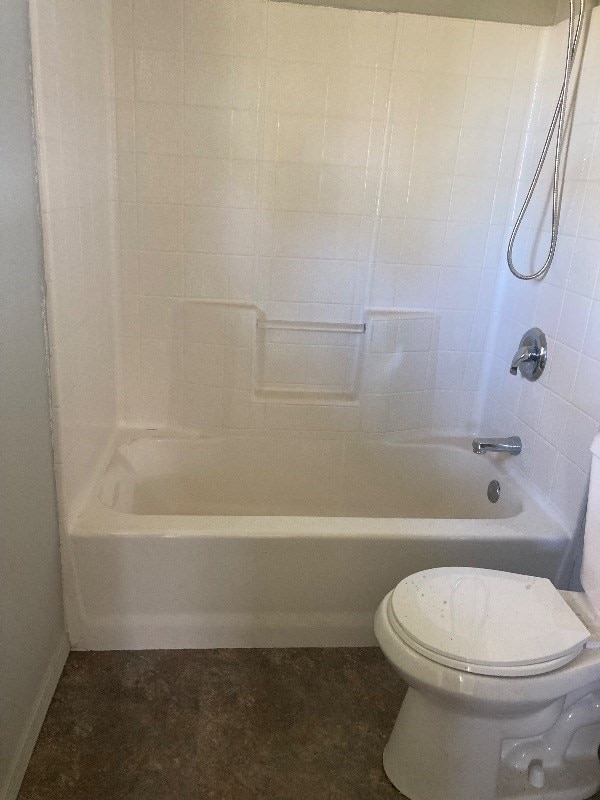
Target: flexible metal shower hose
558,119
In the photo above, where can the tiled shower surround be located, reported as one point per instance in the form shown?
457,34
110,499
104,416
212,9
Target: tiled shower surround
314,162
301,164
558,415
73,66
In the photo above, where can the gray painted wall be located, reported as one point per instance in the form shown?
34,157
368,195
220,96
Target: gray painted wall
562,12
31,614
532,12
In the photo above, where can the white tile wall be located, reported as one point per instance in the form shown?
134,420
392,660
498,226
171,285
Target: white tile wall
557,417
453,119
73,71
314,161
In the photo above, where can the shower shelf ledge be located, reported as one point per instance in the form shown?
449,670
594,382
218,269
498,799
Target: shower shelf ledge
304,397
325,327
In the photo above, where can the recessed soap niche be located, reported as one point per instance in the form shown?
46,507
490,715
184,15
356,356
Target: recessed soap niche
304,359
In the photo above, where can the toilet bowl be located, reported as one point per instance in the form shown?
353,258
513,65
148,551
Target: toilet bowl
503,674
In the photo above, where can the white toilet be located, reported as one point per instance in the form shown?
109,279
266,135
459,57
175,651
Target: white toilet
504,680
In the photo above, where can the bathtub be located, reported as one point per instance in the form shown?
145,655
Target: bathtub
283,539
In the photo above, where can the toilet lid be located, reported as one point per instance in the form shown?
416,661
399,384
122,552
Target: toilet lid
486,618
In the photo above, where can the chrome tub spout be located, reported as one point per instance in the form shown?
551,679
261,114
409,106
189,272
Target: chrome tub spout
512,445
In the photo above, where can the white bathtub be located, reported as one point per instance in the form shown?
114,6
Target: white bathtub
283,539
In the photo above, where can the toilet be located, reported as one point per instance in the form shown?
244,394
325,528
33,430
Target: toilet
503,674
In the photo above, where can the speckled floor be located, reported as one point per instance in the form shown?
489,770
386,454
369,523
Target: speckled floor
223,724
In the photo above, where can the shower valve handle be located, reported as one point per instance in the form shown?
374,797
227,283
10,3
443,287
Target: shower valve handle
523,356
530,358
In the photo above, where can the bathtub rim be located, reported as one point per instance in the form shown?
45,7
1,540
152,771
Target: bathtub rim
534,521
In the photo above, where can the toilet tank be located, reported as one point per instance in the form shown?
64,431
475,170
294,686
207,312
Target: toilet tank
590,567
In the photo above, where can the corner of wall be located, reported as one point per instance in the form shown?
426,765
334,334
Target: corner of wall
38,713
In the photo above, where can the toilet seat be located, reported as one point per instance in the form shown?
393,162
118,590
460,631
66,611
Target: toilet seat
496,670
486,621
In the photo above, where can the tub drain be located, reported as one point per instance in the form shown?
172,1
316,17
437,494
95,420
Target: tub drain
493,492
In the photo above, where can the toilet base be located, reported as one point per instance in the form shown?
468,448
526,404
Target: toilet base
577,780
438,752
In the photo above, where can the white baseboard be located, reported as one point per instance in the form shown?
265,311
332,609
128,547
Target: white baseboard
38,713
202,631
